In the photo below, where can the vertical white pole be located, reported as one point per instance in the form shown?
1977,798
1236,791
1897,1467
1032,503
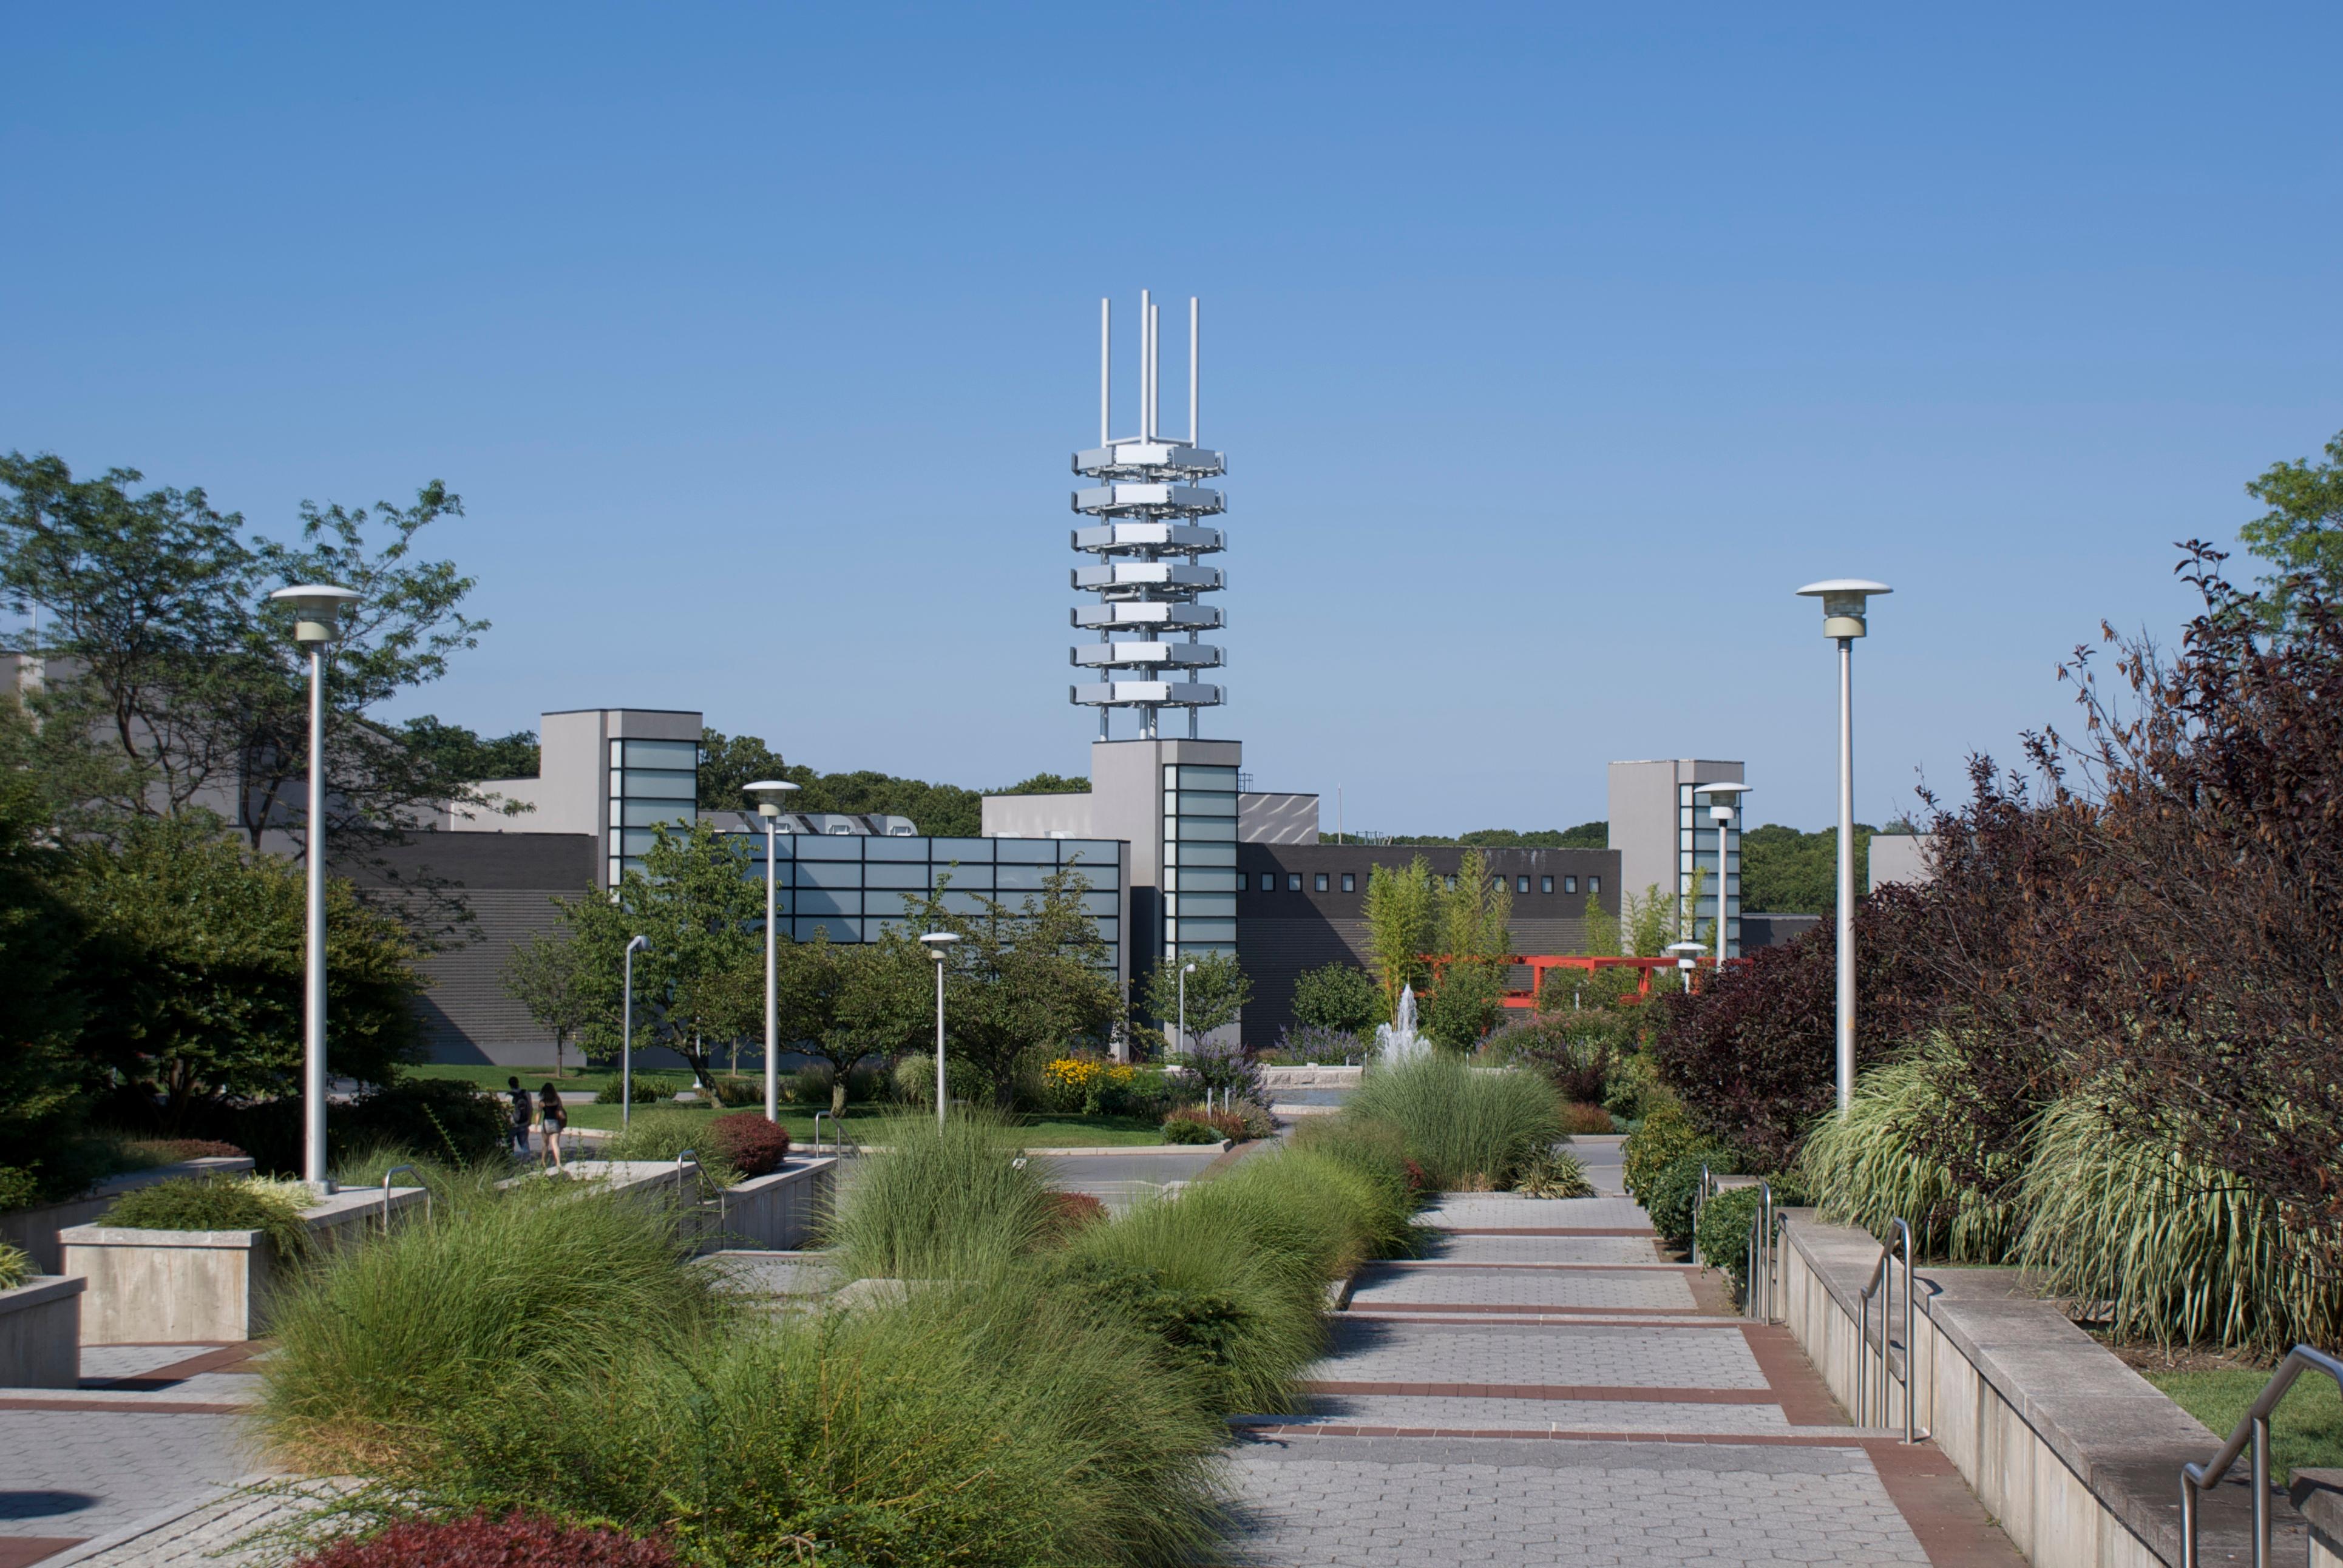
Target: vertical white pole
313,1066
627,1046
772,985
1154,371
940,1040
1845,871
1183,1009
1106,368
1146,367
1191,369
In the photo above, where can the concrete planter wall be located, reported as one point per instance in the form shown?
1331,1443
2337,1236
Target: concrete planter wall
40,1335
168,1287
774,1214
2076,1455
35,1229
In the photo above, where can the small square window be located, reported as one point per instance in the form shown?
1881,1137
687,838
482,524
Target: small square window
1350,883
1521,884
1545,884
1318,883
1269,881
1293,881
1570,884
1593,884
1449,882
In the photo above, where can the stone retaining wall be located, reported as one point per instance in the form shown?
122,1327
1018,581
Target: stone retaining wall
2076,1455
35,1229
774,1214
40,1335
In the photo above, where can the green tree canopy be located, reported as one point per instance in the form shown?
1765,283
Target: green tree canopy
2301,535
1337,996
1470,932
1216,993
845,1001
546,974
1786,872
729,762
466,755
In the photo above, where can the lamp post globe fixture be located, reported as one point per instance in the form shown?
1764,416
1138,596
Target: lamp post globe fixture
768,794
939,944
1723,798
317,610
640,944
1685,953
1845,601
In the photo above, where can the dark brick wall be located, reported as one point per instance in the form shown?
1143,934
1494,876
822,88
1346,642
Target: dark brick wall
1281,932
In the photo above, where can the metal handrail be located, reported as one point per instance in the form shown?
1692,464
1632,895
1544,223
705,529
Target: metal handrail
817,1129
1699,1201
2253,1424
692,1155
1883,1279
386,1195
1759,1266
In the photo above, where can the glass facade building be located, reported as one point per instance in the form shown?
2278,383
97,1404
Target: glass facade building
852,885
651,782
1696,847
1200,860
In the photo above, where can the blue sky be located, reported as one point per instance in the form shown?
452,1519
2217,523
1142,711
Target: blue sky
1552,346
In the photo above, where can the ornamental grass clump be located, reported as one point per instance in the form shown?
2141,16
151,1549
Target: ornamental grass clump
982,1424
1872,1166
391,1340
948,1201
16,1267
662,1135
193,1204
1470,1130
2184,1253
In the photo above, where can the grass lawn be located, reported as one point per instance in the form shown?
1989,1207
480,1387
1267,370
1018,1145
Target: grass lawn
2306,1431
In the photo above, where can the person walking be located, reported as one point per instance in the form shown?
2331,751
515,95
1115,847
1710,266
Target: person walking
554,1119
517,1128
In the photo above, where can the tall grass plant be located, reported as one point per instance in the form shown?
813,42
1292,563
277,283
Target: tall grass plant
1469,1131
956,1201
1869,1168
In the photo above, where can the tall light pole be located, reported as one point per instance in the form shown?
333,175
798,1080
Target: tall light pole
1185,971
1844,603
317,608
940,949
1720,812
627,1037
768,794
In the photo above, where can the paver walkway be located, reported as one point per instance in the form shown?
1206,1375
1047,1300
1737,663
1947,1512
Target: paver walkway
1545,1389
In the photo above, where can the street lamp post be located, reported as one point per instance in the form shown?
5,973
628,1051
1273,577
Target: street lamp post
1720,812
768,794
627,1037
1185,971
1844,605
940,949
317,608
1685,952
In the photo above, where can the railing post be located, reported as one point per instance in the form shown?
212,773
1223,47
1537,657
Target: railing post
2261,1492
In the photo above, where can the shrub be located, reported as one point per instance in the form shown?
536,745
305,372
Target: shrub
730,1090
1558,1175
171,1150
441,1117
643,1089
1875,1165
951,1201
1673,1192
1320,1212
517,1540
489,1300
1663,1138
2187,1254
1578,1117
666,1133
1632,1087
1375,1150
1084,1084
1222,1068
1575,1050
1724,1239
985,1425
16,1267
1336,1001
1071,1211
1191,1128
748,1143
1300,1045
19,1188
1468,1130
914,1082
193,1203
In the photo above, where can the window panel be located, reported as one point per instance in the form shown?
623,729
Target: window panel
1212,881
829,847
1195,904
1109,928
1102,903
1269,881
967,879
1570,884
1171,830
1207,828
1193,777
819,901
841,929
636,842
643,813
1207,803
1593,884
1026,851
959,903
655,784
1207,855
1521,884
829,874
682,754
971,851
1208,930
896,874
1545,884
1318,882
882,849
1293,881
1350,882
1021,878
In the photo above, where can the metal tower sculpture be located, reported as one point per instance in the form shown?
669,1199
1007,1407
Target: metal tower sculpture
1147,544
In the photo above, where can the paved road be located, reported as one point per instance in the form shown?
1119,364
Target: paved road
1529,1396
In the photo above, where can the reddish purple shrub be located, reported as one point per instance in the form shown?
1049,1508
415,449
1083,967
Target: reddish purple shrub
745,1141
1071,1212
515,1541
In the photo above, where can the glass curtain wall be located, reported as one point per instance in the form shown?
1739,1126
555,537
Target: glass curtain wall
651,782
1200,860
1696,847
851,886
